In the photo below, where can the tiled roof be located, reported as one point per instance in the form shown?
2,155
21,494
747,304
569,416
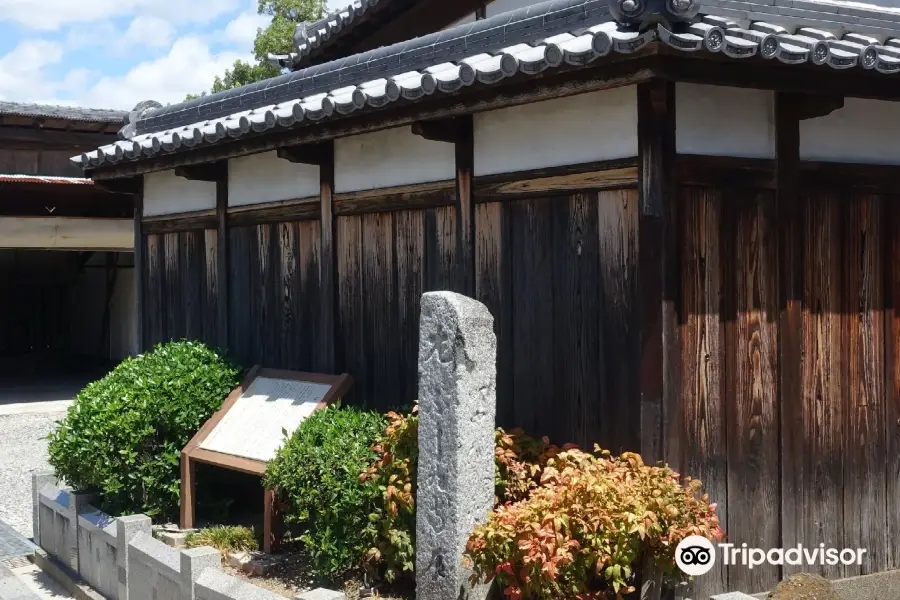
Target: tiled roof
310,36
528,41
45,179
66,113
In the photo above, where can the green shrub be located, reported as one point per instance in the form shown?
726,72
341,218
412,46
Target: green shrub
391,534
224,538
317,476
582,532
124,434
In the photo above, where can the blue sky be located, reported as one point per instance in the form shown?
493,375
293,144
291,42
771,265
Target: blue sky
115,53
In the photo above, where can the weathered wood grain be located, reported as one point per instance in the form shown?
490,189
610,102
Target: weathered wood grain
750,316
407,197
493,288
175,317
153,315
521,185
241,248
702,440
291,332
191,274
891,267
819,465
351,320
199,220
275,212
531,235
864,484
212,293
315,354
465,206
380,311
409,252
440,249
617,224
577,363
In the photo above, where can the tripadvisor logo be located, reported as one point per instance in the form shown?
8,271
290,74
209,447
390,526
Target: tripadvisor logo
696,555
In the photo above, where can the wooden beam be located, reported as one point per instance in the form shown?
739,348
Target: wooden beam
215,172
328,265
714,69
307,154
819,105
464,138
222,262
452,131
66,233
130,185
788,108
32,137
139,267
657,270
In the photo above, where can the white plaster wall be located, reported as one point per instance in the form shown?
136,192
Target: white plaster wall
864,131
724,121
264,177
166,194
566,131
501,6
390,158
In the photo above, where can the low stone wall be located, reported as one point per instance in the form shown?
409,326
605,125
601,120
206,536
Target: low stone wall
120,559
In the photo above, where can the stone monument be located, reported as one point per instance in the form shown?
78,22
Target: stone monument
457,408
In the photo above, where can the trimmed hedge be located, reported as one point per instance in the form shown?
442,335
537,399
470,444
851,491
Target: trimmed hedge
317,476
124,434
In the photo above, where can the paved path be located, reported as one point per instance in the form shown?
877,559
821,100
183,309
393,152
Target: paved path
13,544
29,583
23,450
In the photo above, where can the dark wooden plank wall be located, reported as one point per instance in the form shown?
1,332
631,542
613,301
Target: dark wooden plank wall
558,273
38,162
180,291
833,447
273,294
385,261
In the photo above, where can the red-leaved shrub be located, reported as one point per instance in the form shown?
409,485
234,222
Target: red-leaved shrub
580,533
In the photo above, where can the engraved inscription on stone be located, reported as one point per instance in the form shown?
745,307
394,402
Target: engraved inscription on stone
252,428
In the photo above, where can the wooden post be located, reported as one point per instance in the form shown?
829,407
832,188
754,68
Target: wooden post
188,487
465,208
328,263
139,268
222,262
790,259
657,282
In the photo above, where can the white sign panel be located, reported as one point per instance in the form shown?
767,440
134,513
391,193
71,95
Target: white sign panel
252,428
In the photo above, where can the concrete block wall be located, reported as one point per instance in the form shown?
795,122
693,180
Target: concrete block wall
120,558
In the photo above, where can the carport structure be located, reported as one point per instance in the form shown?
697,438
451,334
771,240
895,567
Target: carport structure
66,246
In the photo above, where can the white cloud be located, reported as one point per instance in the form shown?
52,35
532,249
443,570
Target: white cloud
149,31
189,67
22,70
242,30
53,14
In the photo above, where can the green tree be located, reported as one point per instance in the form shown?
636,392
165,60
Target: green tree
277,38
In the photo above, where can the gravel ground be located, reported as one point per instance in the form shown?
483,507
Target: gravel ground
23,450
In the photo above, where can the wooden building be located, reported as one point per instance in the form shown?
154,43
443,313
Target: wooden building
681,217
65,247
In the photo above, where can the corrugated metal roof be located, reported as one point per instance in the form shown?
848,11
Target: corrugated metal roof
66,113
4,178
527,41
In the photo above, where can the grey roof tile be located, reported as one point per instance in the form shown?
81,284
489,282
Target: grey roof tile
66,113
493,49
